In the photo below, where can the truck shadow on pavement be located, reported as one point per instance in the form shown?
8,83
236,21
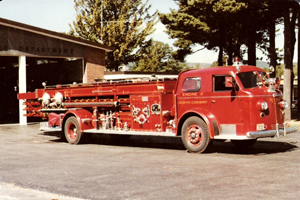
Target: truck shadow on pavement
259,148
174,143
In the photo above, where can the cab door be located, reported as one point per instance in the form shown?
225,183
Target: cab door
226,103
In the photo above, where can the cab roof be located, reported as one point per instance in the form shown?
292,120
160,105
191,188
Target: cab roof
220,70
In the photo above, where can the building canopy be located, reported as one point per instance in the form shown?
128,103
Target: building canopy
18,39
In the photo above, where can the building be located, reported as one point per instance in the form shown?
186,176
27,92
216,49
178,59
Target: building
30,55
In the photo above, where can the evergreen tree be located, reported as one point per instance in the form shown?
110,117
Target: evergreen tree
227,25
290,12
157,57
286,11
122,24
210,23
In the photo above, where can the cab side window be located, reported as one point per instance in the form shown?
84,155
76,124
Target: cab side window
191,84
222,83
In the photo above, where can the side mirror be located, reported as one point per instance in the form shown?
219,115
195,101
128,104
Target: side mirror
228,81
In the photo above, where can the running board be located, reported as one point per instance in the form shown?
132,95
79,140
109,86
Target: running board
44,127
142,133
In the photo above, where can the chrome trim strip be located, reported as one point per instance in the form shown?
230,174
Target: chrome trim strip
52,109
87,104
101,91
86,120
272,133
227,96
277,127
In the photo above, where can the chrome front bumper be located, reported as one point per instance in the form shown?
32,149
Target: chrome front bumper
272,133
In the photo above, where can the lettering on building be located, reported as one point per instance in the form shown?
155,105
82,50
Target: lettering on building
50,50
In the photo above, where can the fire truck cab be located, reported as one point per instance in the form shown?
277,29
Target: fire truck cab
239,103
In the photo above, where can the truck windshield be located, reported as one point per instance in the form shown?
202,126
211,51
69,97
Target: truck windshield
252,79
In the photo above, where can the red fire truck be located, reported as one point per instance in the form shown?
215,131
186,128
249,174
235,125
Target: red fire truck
239,103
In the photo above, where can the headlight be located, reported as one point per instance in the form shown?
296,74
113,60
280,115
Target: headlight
262,105
283,104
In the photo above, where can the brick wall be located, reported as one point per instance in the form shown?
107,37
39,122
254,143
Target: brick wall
94,64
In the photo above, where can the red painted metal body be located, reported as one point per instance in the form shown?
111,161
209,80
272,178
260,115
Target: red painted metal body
230,112
142,106
234,102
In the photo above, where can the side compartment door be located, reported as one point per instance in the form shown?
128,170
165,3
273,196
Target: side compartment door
146,112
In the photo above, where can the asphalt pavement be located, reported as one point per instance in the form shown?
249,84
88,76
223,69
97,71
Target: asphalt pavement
12,192
38,165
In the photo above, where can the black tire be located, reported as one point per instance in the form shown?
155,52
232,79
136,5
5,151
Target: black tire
72,130
243,143
195,135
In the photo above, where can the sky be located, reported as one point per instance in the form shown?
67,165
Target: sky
56,15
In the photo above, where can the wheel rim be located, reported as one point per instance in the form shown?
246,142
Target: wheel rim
72,131
194,135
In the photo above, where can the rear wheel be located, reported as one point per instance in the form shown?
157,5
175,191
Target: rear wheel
195,135
72,130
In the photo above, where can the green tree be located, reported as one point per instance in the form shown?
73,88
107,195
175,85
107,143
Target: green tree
189,26
157,57
230,24
122,24
280,70
225,24
290,13
273,17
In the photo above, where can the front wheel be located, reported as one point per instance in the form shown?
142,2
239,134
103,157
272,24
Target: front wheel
72,130
195,135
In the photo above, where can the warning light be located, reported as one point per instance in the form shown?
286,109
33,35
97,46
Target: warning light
237,63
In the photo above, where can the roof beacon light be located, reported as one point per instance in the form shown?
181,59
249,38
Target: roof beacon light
237,63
